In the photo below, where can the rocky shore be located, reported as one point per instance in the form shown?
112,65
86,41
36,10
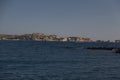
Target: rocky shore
113,49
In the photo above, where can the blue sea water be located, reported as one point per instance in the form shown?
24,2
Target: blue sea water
35,60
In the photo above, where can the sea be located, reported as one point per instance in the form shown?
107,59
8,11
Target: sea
42,60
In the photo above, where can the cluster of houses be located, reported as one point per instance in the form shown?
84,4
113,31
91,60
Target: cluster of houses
76,39
42,37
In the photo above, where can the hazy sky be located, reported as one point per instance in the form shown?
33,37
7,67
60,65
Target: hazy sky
97,19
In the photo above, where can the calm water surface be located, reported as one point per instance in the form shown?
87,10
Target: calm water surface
33,60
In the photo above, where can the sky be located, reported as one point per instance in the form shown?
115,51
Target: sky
96,19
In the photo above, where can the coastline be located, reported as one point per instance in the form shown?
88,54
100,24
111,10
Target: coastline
43,37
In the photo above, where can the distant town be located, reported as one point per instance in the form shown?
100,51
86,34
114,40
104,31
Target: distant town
44,37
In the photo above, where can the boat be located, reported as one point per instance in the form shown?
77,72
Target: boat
116,50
